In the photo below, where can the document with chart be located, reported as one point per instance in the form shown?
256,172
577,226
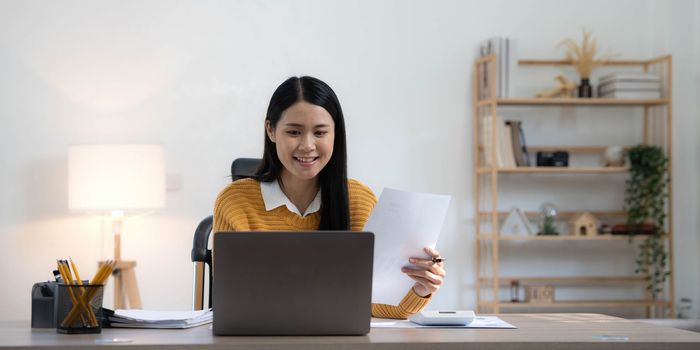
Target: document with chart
403,223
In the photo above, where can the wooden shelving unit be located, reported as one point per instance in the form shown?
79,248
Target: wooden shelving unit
657,117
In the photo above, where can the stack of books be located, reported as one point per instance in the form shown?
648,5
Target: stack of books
505,50
630,86
511,150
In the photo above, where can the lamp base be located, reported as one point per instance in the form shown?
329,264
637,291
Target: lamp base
126,289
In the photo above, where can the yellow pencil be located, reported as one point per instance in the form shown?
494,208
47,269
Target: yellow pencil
65,274
75,270
103,272
85,301
109,267
99,276
88,295
82,302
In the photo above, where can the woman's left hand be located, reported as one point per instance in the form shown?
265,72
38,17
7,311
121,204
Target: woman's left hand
427,274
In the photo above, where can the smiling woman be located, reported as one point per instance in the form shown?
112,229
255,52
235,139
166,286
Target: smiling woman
303,140
302,184
297,108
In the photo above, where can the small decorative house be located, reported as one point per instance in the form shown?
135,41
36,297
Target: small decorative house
516,224
584,224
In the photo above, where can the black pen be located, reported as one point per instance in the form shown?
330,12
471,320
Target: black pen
57,276
438,260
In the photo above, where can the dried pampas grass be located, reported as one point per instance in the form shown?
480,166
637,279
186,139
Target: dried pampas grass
583,56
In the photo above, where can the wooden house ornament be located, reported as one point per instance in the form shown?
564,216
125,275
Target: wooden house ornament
584,224
516,224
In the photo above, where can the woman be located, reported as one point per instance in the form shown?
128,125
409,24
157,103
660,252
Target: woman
302,183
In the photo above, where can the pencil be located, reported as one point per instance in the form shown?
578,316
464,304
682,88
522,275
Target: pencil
75,270
88,295
103,272
75,294
67,280
91,314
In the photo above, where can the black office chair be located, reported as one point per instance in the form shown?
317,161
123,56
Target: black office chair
201,254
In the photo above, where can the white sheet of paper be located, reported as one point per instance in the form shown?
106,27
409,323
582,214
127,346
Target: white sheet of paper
403,224
479,322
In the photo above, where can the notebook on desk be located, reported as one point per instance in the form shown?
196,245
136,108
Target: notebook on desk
292,283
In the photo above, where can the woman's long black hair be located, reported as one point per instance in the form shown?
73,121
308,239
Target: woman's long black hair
333,178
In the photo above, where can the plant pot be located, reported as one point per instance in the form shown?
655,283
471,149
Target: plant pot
585,89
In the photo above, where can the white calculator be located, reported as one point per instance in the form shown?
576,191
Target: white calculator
443,318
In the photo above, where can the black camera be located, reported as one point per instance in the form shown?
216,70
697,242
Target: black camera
556,158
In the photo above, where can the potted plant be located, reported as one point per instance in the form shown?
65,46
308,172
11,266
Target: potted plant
583,57
645,201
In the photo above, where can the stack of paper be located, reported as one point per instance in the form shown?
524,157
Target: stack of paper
160,319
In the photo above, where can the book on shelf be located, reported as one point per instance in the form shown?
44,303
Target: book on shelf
507,139
511,66
602,90
504,145
630,86
632,94
611,85
629,77
522,158
505,50
487,143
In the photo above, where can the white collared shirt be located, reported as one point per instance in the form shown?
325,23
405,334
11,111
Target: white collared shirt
273,197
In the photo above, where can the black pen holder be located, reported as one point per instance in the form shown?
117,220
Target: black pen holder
78,309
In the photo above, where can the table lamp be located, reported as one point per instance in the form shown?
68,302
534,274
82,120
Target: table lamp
116,182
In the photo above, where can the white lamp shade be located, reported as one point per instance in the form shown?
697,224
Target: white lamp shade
104,178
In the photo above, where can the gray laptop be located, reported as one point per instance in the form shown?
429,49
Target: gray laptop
292,283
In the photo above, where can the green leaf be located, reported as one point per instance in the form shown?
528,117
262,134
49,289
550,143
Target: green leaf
645,201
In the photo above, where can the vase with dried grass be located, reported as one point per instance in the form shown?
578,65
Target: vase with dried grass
583,57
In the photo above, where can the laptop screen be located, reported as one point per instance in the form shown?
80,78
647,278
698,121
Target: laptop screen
300,283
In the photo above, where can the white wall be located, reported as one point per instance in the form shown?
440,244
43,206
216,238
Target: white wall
696,114
682,39
197,76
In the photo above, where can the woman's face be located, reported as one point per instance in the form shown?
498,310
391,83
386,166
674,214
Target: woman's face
304,138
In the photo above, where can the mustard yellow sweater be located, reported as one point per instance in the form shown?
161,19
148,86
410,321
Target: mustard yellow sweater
240,207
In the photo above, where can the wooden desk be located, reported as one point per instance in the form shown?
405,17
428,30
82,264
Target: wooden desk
536,331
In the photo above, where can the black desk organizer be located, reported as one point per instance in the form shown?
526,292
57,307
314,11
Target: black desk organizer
43,313
44,306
